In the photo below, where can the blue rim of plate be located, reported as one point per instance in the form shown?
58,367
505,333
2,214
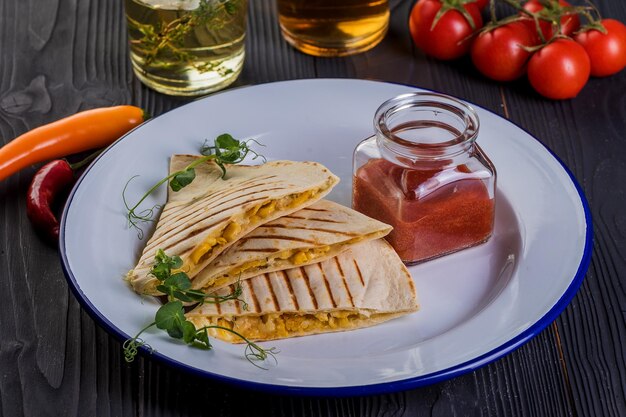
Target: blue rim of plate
348,391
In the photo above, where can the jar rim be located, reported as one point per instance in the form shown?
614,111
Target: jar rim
442,102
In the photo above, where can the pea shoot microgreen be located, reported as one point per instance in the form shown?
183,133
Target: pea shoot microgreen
225,150
170,317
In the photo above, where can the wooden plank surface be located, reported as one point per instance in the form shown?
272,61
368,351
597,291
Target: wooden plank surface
61,56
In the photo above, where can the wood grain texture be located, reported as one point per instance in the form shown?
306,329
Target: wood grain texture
588,134
61,56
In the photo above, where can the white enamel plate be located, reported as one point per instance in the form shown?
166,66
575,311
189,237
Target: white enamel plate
476,305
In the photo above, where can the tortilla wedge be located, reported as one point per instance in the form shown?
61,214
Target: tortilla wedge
365,285
312,234
203,219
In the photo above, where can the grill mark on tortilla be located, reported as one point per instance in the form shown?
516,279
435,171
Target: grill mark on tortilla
193,211
234,197
271,288
290,288
345,283
338,266
189,235
242,196
295,239
210,198
219,193
151,245
314,209
327,285
316,219
307,281
186,217
255,301
219,309
170,227
236,302
261,250
194,232
315,229
337,232
412,285
358,270
263,178
192,206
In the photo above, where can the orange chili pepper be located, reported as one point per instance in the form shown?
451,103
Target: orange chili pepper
80,132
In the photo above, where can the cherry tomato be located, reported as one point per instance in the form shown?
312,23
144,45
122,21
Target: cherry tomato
607,52
569,22
559,70
450,38
499,53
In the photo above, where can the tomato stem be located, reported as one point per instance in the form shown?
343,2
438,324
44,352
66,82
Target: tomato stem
492,11
457,5
592,22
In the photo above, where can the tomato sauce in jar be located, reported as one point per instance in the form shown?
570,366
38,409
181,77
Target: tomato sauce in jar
423,174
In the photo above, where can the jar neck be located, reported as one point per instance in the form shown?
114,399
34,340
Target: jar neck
426,130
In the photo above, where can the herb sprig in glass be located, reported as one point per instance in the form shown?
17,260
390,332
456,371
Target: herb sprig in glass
162,44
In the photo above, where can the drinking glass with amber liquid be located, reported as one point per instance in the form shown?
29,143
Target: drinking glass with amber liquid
186,47
333,27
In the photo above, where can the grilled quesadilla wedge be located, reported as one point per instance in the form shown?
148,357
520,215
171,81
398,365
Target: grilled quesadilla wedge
206,217
364,285
312,234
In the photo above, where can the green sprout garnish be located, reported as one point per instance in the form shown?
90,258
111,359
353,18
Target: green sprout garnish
170,317
225,150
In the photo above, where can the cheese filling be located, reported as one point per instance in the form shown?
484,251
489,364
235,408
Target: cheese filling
288,258
253,216
278,326
206,247
282,260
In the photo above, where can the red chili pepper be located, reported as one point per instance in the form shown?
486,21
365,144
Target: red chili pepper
47,183
50,180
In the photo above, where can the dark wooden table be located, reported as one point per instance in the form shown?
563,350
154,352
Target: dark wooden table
62,56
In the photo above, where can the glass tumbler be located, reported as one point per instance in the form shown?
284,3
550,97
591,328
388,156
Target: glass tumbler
332,28
186,47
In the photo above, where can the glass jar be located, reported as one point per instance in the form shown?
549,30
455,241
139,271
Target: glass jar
423,173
